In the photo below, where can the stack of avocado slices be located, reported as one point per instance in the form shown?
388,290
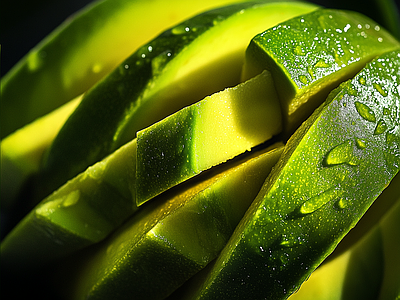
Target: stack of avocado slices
225,158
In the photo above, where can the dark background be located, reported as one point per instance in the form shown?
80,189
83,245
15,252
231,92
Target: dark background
23,23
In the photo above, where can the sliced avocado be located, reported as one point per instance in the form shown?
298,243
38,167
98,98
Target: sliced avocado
83,211
206,134
333,168
310,55
183,65
358,272
21,152
82,50
171,239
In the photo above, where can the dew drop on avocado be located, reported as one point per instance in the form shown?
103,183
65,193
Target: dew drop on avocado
180,29
380,89
342,154
298,50
303,79
316,202
365,112
360,143
362,81
380,127
341,203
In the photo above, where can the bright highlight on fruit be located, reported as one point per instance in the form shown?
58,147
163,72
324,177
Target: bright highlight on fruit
225,153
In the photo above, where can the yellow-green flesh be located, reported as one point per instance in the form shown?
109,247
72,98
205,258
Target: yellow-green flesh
171,239
205,134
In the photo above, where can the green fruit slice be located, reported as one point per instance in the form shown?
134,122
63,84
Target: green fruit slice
183,65
170,240
84,49
82,212
310,55
359,270
22,151
333,168
205,134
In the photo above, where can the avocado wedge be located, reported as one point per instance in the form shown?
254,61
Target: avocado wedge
333,168
171,239
82,50
205,134
310,55
186,63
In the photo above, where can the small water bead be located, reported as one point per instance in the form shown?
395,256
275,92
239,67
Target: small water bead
303,79
96,68
365,111
316,202
181,29
298,50
360,143
362,80
381,127
321,64
342,154
341,203
71,199
380,89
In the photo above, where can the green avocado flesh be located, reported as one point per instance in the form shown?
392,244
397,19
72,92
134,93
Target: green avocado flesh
84,49
205,134
83,211
171,239
310,55
167,74
359,271
331,171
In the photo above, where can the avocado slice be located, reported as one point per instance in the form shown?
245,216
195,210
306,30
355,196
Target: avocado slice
84,49
359,271
183,65
83,211
333,168
22,151
205,134
171,239
310,55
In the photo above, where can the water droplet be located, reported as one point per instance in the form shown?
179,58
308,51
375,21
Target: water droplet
361,80
379,89
341,203
310,72
180,29
298,50
365,112
316,202
380,127
321,64
342,154
303,79
71,199
386,111
360,144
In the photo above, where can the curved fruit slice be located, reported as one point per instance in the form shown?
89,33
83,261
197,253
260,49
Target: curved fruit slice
82,50
359,271
351,146
183,65
205,134
170,240
21,152
82,212
310,55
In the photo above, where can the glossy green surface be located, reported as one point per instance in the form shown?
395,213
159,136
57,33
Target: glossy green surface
334,167
171,239
311,54
84,49
205,134
83,211
168,73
